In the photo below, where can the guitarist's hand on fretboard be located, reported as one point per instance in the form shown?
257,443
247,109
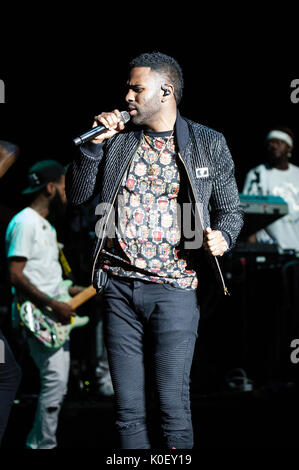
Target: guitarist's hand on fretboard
62,311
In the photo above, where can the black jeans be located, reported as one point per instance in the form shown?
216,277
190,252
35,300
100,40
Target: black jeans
168,317
10,377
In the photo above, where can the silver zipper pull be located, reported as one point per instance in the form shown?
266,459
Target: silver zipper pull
226,292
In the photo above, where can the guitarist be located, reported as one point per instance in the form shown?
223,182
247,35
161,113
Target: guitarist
10,371
35,273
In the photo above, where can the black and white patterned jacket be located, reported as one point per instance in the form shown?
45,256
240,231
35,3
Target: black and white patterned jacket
99,170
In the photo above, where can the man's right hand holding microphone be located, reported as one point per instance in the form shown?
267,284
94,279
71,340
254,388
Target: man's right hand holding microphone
112,121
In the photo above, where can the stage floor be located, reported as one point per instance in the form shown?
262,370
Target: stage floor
265,418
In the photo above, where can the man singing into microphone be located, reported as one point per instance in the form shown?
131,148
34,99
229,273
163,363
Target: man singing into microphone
148,177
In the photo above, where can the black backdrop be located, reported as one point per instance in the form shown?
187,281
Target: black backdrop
51,99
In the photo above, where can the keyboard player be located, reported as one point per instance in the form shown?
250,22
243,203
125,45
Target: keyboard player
277,177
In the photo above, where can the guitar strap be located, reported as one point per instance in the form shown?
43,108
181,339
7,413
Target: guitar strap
64,263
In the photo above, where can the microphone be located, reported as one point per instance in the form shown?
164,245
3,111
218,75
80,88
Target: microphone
89,135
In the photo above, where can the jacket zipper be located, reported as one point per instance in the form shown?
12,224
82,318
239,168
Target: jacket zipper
225,289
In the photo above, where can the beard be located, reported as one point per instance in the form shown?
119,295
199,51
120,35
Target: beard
146,112
57,209
274,158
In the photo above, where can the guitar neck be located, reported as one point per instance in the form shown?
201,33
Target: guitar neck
82,297
8,155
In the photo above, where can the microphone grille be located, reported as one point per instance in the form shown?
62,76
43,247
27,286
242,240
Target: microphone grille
125,116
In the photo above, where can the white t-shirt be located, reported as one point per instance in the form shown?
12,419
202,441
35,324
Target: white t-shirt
31,236
265,180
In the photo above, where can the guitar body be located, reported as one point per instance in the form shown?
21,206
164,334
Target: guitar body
43,324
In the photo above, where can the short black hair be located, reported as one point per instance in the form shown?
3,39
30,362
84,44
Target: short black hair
164,64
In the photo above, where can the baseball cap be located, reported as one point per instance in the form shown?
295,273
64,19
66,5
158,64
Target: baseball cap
42,173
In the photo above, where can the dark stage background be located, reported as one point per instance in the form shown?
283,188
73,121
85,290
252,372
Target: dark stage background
47,105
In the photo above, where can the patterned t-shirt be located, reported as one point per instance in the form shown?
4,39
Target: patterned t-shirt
148,240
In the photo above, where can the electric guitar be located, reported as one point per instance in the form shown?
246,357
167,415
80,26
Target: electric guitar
43,324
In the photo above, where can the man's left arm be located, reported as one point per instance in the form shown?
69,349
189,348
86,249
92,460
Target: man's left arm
225,210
